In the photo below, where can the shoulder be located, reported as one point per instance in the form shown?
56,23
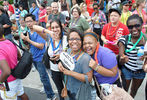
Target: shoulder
103,51
85,57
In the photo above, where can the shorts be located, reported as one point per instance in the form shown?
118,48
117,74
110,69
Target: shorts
130,75
16,89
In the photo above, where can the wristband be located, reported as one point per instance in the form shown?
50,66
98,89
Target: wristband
96,68
43,31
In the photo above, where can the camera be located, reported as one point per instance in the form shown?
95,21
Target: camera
25,33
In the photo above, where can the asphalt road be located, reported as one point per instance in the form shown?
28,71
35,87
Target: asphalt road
32,87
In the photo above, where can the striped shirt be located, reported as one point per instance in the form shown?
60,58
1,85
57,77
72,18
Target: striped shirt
132,55
17,12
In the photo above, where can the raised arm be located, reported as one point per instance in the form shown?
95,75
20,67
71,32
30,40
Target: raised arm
42,31
38,4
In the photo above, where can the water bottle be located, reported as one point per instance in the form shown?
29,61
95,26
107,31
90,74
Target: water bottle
139,54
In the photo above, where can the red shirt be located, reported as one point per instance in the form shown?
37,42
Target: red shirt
89,7
11,9
113,34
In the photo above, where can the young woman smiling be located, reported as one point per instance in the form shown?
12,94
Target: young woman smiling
82,73
128,50
57,43
103,71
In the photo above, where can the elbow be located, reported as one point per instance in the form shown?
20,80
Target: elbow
7,73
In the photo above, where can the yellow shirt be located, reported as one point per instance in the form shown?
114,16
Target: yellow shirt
124,17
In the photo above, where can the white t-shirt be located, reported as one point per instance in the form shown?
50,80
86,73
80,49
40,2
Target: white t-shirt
62,47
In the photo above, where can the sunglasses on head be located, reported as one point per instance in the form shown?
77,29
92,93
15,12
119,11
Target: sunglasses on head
127,5
136,26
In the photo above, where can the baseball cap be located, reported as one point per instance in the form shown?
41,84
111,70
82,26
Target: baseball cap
115,10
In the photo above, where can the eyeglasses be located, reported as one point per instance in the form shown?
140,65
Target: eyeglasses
29,21
136,26
77,39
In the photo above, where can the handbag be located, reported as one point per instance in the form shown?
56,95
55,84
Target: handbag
64,90
117,93
46,57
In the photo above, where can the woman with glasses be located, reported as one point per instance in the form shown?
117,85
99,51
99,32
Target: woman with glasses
82,73
131,50
77,21
57,42
98,20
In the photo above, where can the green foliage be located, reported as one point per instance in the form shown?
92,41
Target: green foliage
10,1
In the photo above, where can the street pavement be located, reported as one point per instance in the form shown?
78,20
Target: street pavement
32,87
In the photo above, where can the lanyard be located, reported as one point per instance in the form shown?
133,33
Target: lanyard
76,57
134,46
53,45
74,22
96,53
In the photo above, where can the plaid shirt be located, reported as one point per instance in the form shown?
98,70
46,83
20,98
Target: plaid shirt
102,18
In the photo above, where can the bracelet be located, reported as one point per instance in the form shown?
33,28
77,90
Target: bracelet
43,31
96,68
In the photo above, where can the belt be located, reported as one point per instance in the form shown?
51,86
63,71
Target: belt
135,72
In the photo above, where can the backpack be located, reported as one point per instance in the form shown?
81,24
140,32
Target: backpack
24,65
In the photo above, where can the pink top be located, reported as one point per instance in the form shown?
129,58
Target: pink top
8,52
144,18
42,12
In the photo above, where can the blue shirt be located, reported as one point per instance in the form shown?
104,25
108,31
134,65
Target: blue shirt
35,12
36,52
17,12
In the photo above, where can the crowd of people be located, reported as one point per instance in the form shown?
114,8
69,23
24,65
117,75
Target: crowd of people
105,38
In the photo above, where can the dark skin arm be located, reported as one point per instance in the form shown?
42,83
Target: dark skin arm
123,57
5,70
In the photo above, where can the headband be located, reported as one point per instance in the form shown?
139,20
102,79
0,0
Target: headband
94,35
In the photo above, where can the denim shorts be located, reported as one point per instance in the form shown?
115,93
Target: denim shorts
130,75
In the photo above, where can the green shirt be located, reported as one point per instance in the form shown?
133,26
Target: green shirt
80,24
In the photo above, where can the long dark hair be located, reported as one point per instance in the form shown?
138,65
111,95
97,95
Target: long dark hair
60,25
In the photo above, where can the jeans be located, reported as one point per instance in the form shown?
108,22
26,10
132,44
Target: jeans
44,78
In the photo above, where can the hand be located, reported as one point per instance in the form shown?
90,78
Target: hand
124,59
2,87
62,69
26,38
105,41
55,57
92,64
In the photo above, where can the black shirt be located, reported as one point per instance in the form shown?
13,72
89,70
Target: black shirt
4,19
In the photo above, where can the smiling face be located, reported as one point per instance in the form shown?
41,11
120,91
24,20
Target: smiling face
75,42
75,13
56,29
89,44
135,27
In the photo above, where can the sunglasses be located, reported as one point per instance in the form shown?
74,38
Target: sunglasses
95,8
136,26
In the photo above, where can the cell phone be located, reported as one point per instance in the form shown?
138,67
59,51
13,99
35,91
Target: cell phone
25,33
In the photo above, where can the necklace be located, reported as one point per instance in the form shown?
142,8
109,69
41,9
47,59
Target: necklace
113,33
134,46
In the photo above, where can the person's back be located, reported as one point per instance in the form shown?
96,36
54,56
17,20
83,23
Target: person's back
8,61
8,52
